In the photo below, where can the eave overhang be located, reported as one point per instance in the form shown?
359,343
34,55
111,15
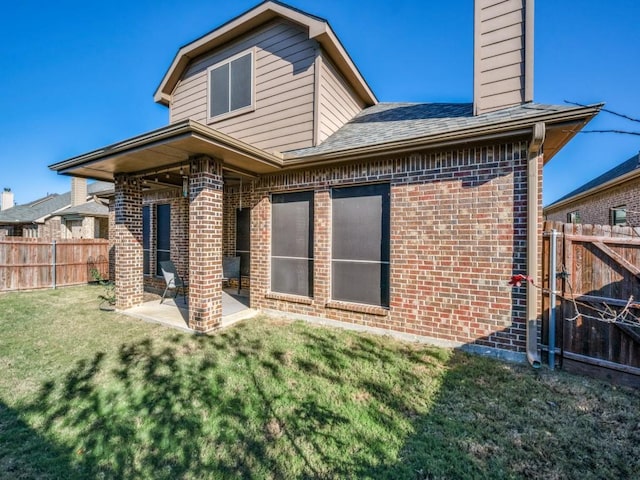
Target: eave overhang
635,174
172,146
318,29
561,126
165,148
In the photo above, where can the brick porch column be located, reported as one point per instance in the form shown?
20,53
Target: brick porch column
128,241
205,244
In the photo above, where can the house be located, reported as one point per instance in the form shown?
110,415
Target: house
613,198
403,216
74,214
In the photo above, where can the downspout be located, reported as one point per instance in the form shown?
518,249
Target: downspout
535,148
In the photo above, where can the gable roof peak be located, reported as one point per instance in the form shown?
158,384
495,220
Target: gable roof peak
317,28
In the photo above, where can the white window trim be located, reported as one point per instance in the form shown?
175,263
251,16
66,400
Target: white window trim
239,111
612,215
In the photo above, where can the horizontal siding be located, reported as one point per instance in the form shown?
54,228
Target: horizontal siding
500,44
499,9
338,102
502,73
284,89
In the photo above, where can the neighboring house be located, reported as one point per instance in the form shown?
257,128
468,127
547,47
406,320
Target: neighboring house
408,217
613,198
78,213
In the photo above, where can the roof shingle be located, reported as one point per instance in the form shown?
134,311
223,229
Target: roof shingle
619,170
391,122
45,206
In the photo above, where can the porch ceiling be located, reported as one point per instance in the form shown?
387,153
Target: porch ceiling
167,149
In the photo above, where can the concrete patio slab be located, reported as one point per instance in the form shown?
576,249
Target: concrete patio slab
175,313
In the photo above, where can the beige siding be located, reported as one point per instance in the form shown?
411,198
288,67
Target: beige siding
284,89
338,102
499,54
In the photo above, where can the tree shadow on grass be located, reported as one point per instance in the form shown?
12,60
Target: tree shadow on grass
265,401
19,444
240,404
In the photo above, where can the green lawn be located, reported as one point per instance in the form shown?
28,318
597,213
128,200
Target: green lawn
88,394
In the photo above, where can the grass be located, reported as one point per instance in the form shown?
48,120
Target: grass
88,394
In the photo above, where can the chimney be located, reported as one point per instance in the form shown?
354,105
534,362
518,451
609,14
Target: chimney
78,191
502,54
7,199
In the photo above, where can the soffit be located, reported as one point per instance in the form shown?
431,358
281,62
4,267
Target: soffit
166,151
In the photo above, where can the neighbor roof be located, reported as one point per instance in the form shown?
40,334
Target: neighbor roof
625,168
46,206
394,123
88,209
318,29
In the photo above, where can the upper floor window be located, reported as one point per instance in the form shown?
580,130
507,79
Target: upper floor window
619,215
231,85
573,217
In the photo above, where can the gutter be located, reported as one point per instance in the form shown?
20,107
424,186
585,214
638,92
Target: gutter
485,132
535,149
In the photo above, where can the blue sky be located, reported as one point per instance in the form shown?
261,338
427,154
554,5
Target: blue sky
78,75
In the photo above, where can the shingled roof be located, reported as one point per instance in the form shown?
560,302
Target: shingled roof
88,209
391,122
46,206
624,168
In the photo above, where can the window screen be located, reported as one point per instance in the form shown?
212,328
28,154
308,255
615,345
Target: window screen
243,240
292,243
230,85
360,244
146,239
619,215
163,235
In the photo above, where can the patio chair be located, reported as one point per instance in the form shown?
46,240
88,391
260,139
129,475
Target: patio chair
172,279
231,269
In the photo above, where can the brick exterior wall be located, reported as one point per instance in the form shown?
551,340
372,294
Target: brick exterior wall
596,208
128,241
112,240
458,232
205,244
231,203
179,239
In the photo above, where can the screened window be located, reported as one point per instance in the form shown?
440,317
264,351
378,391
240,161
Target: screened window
231,85
146,239
243,240
573,217
360,244
163,235
619,215
292,243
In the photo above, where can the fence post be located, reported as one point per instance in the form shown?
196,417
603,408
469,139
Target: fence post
53,263
553,245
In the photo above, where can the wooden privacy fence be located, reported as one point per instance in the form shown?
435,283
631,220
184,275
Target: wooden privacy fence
27,264
598,299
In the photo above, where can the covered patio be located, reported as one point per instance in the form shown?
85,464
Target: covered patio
174,312
194,163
